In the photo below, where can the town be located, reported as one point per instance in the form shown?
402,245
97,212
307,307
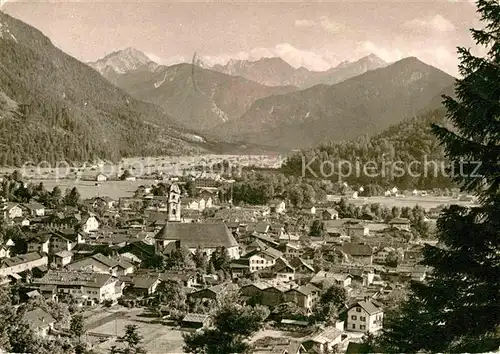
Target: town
324,270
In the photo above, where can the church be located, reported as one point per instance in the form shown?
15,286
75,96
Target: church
206,236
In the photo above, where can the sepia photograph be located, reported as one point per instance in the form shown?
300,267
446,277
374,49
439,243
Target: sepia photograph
249,177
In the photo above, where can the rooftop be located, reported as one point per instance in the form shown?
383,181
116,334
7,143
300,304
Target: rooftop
203,235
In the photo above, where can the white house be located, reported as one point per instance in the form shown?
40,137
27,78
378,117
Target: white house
365,316
101,177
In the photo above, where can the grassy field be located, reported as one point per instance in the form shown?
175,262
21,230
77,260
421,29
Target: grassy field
88,189
158,338
425,202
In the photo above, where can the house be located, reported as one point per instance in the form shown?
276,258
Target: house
22,263
292,250
39,321
142,285
12,210
273,295
35,209
359,252
137,252
196,320
214,292
262,258
277,206
304,296
326,279
283,345
4,251
293,269
85,286
330,214
414,254
400,224
89,223
102,264
62,258
253,290
101,177
357,229
311,209
64,240
39,243
382,255
365,316
206,236
325,341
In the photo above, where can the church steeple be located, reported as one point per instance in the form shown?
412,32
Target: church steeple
174,203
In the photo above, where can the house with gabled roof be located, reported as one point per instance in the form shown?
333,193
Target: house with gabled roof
284,345
304,296
277,206
359,252
324,341
330,214
214,292
365,316
89,287
400,224
262,258
63,258
64,240
102,264
35,208
22,263
326,279
39,321
292,270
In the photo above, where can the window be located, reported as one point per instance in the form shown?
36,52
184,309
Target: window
358,309
353,317
353,326
362,327
362,318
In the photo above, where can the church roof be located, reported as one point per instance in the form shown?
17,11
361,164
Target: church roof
193,235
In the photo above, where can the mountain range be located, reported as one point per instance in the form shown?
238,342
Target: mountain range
365,104
277,72
195,97
55,107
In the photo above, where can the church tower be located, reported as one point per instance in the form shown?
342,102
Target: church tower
174,203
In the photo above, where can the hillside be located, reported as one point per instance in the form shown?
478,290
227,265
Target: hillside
277,72
196,97
365,104
408,141
66,110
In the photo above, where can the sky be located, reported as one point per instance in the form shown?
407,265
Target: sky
316,35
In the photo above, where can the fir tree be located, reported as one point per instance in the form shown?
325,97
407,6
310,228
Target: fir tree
457,309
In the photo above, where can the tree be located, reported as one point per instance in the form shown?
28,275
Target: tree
126,174
316,228
72,197
220,259
457,310
233,325
77,326
54,198
200,259
330,300
180,259
132,339
170,293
